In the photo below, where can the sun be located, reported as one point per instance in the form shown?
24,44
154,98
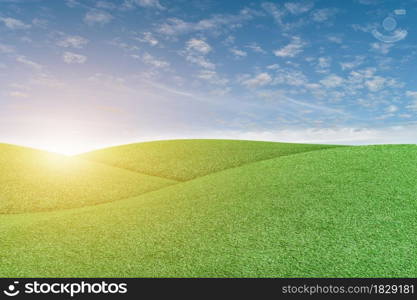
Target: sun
62,141
64,147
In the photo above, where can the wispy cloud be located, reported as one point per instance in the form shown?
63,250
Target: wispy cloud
238,53
332,81
97,17
279,14
324,14
74,41
356,62
195,52
147,37
18,94
74,58
157,63
256,48
328,135
30,63
298,8
201,61
335,39
258,81
176,26
382,48
292,49
14,24
105,5
143,3
212,77
412,94
198,45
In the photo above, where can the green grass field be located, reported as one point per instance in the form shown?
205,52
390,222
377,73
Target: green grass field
244,209
32,180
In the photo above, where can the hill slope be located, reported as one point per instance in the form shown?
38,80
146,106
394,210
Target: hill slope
33,180
334,213
188,159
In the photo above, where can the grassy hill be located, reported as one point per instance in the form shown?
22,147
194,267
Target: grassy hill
188,159
342,212
33,180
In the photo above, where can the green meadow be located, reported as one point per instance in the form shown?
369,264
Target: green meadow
210,208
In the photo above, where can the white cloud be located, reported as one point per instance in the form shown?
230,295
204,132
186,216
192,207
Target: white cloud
199,46
358,60
74,58
366,78
382,48
322,15
324,62
122,45
14,24
201,61
365,28
341,135
72,3
391,109
368,2
325,135
148,38
279,14
256,48
290,77
42,23
332,81
17,94
212,77
175,26
297,8
413,105
238,53
273,67
375,84
283,98
143,3
99,17
105,5
28,62
152,61
259,80
292,49
75,41
411,94
195,52
335,39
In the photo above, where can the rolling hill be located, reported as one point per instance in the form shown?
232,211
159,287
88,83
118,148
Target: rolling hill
33,180
188,159
335,212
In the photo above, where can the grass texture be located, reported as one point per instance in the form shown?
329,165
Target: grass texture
342,212
33,180
188,159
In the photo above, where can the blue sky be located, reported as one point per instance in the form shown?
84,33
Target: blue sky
77,75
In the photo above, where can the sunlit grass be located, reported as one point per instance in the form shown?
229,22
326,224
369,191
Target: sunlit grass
187,159
343,212
32,180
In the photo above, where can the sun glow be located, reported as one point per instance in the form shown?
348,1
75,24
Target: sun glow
63,146
61,139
